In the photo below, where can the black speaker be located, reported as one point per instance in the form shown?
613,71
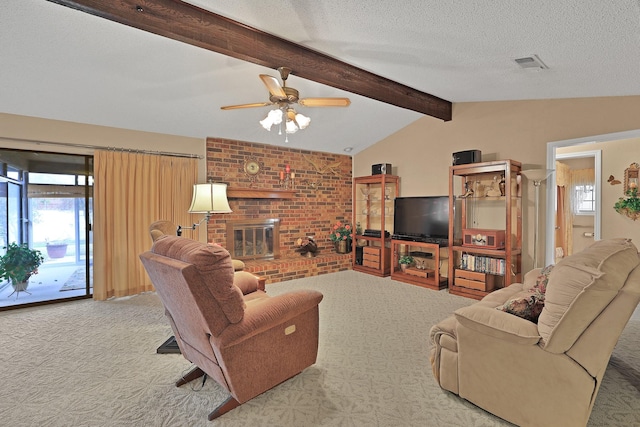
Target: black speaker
465,157
382,168
359,255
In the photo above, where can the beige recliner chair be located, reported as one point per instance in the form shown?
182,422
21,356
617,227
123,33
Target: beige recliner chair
546,373
234,332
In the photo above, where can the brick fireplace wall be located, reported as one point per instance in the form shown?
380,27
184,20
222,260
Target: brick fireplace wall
322,197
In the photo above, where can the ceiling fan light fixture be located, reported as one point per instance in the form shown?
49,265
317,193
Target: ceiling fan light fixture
273,118
284,97
291,126
266,123
303,121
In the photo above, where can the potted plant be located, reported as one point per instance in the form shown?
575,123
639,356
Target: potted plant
630,205
57,249
341,235
405,261
18,264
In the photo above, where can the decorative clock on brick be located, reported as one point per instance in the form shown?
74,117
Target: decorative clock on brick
252,168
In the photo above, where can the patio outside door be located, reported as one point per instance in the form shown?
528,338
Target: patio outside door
46,202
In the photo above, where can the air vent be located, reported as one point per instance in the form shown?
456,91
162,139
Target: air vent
531,62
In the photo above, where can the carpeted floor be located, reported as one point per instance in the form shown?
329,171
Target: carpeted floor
92,363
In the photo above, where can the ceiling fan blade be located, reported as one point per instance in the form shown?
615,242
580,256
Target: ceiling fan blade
255,104
325,102
275,89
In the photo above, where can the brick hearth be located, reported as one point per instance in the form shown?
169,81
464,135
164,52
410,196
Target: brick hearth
279,270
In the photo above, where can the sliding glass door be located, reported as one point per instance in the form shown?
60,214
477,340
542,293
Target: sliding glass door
46,203
10,230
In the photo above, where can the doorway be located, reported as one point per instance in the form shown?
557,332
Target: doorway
585,144
578,200
46,202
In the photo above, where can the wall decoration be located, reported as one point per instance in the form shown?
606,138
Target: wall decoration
252,168
631,177
613,181
312,184
334,168
287,178
629,205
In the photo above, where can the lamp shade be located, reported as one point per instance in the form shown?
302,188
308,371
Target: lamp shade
210,198
291,127
537,174
303,121
273,118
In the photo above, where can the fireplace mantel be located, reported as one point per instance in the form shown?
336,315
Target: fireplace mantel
255,193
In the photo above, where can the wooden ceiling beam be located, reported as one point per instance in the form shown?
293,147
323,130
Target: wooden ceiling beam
189,24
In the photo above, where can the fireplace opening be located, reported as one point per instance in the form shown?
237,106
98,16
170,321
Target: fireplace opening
254,238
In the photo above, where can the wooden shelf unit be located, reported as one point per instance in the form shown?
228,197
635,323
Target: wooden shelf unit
479,211
427,278
373,204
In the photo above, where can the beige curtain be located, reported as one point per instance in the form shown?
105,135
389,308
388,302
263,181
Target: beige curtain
131,191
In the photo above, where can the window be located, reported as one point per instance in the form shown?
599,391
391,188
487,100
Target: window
49,178
585,199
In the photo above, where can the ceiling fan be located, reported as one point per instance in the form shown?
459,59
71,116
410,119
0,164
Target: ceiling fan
285,96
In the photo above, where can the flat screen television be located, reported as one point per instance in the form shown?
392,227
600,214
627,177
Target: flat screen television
421,218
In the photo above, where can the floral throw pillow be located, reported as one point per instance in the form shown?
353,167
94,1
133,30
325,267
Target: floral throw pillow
542,280
527,305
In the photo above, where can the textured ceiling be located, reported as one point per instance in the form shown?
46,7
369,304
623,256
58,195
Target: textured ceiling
60,63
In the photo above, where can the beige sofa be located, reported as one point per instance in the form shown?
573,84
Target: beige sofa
545,373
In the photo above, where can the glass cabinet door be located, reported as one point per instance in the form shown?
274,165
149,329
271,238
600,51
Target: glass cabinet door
373,200
374,206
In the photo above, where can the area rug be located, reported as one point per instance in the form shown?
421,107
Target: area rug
77,280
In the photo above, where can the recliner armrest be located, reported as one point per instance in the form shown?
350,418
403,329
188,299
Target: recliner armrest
238,265
247,282
265,313
498,324
445,327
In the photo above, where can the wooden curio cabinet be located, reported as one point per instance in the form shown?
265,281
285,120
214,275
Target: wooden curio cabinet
373,204
485,241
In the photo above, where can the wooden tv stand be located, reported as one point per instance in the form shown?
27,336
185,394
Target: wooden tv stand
429,277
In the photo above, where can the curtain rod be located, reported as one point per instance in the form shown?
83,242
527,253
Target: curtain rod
93,147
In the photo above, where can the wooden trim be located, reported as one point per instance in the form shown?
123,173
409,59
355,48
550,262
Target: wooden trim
254,193
198,27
